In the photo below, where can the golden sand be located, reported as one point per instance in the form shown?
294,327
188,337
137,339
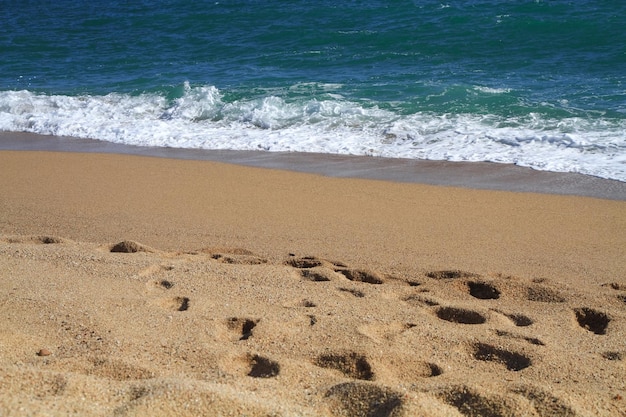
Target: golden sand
155,287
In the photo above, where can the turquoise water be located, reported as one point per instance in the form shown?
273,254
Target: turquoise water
535,83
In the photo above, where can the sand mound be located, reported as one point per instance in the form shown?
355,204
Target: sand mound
129,246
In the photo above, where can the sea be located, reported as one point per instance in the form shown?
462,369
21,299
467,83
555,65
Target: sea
535,83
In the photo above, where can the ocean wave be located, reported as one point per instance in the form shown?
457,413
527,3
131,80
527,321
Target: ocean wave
316,118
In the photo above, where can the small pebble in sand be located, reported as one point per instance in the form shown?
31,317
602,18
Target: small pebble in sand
44,352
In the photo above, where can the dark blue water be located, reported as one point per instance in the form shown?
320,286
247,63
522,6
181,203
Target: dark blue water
537,83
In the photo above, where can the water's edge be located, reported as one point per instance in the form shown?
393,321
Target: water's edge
476,175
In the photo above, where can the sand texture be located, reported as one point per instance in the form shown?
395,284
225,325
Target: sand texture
134,286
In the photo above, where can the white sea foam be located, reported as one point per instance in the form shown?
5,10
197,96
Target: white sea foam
201,118
491,90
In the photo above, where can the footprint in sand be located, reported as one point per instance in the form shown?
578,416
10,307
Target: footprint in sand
405,367
356,293
544,295
155,269
40,240
301,303
238,259
614,356
175,303
363,399
543,403
592,320
250,364
351,364
519,320
118,370
470,402
240,327
316,269
509,335
319,274
360,275
451,274
410,369
420,300
513,361
165,284
615,286
520,401
262,367
383,333
460,315
305,262
483,290
307,303
235,256
304,303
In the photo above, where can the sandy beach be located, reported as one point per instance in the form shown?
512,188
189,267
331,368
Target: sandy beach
142,286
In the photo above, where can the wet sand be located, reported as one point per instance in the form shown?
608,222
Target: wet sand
477,175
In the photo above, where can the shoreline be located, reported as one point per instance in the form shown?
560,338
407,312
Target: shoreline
474,175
